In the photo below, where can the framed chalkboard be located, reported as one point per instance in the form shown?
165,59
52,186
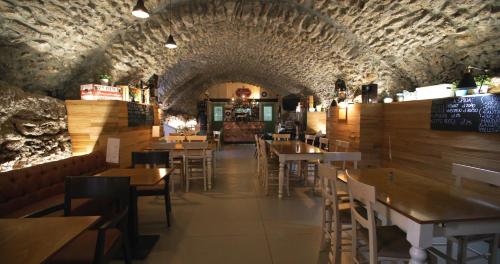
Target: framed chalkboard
479,113
140,115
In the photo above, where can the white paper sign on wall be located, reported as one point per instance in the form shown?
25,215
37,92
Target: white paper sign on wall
113,150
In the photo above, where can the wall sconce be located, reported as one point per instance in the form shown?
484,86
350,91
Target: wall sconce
342,111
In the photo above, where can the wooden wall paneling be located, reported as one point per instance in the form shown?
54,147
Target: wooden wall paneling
316,121
417,148
90,123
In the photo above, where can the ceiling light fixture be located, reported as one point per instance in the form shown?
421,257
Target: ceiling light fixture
140,10
170,41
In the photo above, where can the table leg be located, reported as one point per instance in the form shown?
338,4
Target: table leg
420,237
281,178
140,245
210,171
418,255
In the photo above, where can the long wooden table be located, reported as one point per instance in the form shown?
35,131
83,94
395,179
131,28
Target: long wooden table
292,150
141,244
178,151
425,208
34,240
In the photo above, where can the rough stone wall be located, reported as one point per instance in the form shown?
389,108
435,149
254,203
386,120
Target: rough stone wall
33,129
290,46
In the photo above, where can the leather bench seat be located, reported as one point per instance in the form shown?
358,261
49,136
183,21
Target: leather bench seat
33,189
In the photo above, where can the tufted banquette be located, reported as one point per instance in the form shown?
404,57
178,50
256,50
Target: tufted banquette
39,188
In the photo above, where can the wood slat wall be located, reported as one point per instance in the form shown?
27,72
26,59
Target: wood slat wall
316,121
417,148
90,123
363,129
414,146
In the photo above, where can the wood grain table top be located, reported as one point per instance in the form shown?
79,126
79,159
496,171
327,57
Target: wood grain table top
34,240
140,176
293,147
425,200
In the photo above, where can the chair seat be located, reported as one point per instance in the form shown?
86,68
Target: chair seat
391,242
82,248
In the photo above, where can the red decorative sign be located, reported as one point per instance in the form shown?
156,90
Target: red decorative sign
240,92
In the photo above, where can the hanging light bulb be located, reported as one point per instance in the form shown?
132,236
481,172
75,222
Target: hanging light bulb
140,10
171,42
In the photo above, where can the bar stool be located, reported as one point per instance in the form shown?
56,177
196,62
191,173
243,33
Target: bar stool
195,157
384,242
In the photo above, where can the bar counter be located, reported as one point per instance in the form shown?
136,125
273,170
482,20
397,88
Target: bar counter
242,131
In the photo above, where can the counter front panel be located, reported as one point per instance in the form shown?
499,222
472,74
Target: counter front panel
242,131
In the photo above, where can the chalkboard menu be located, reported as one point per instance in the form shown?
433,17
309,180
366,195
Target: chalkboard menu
140,115
479,113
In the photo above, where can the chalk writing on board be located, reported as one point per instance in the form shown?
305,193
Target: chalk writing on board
140,115
471,113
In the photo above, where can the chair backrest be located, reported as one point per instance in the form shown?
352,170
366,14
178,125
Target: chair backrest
475,174
195,148
363,196
177,139
341,145
323,143
263,154
151,158
113,189
257,144
216,134
310,139
354,157
196,138
163,145
281,137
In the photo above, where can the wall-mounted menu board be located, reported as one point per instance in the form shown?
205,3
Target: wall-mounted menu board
140,115
479,113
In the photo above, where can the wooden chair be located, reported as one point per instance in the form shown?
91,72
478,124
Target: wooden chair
331,158
176,161
323,143
270,170
281,137
309,139
217,139
460,172
155,159
196,138
341,145
344,157
100,244
195,158
175,139
335,219
384,242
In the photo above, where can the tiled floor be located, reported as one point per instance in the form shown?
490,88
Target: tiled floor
234,222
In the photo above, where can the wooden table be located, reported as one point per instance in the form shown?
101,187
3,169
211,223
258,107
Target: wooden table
178,151
141,244
292,150
34,240
425,208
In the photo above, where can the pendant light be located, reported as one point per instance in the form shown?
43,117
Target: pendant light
140,10
170,41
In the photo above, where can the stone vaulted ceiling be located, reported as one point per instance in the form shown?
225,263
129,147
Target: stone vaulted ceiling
289,46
